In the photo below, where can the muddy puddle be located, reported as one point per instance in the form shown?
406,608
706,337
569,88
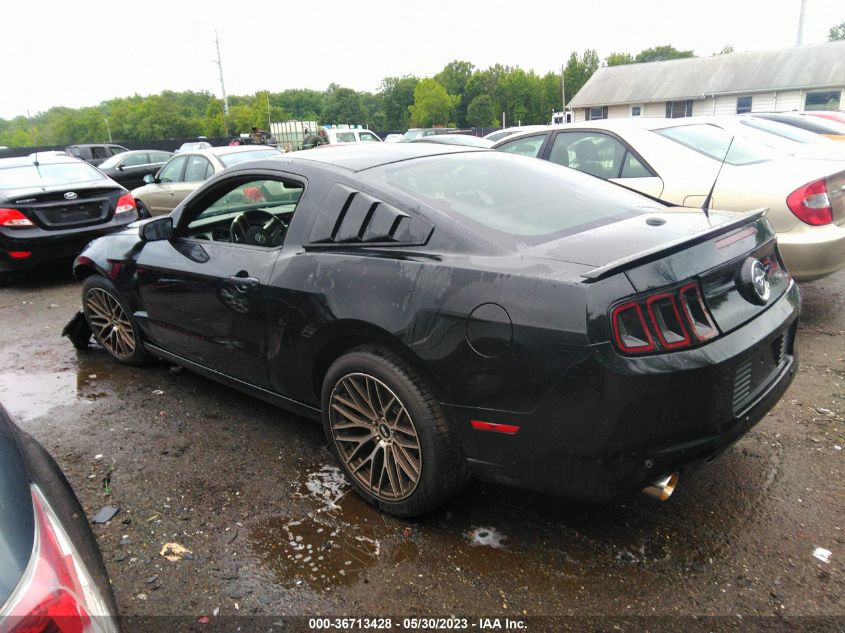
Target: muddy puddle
32,395
333,538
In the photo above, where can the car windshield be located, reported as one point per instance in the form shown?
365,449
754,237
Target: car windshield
188,147
241,157
513,200
47,175
713,141
112,161
785,131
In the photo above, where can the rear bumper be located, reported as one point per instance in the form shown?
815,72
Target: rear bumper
812,252
613,425
44,246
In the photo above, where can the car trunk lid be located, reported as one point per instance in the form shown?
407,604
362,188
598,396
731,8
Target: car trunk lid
667,249
67,207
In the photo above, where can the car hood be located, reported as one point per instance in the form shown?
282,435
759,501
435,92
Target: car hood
621,240
17,521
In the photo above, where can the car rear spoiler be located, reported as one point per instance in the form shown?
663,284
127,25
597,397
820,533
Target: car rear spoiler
668,248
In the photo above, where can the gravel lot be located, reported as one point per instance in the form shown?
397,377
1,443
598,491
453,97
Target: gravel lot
271,529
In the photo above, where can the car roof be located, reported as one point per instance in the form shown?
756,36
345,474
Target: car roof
43,159
360,156
95,145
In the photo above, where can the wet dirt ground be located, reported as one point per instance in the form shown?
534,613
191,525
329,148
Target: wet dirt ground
271,528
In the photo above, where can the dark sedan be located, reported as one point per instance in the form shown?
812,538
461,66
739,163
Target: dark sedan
129,168
52,206
51,575
448,311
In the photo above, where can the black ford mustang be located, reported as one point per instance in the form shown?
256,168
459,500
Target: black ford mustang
449,311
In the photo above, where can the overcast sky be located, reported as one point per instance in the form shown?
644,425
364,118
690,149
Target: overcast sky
81,52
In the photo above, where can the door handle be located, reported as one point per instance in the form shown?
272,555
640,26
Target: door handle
244,282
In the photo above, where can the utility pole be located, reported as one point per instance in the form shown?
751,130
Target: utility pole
219,63
800,38
108,127
269,123
562,90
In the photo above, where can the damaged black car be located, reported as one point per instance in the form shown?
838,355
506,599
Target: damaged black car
448,312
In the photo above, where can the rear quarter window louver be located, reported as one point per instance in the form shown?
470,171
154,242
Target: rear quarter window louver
349,217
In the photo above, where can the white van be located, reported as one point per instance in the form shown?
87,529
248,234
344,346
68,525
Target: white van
351,135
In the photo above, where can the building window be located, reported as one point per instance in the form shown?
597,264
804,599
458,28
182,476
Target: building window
823,100
743,105
678,109
596,112
636,110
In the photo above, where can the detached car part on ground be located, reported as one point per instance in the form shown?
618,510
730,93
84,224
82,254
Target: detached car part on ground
51,574
52,206
678,159
448,311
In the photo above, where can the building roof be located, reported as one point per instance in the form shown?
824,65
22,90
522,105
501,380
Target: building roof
813,66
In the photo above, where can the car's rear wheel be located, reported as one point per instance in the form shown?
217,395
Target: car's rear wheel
143,211
388,432
111,322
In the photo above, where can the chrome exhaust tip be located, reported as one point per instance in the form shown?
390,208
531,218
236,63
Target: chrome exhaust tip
663,488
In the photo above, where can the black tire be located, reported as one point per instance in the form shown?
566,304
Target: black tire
440,467
143,211
111,321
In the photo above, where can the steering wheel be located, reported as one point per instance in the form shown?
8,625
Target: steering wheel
257,227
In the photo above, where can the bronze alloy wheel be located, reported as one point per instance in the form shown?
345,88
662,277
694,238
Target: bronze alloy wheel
109,322
375,437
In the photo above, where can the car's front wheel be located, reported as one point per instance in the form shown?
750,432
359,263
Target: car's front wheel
111,322
388,432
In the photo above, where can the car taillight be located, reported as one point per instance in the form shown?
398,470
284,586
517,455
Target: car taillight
811,204
697,313
125,203
679,318
630,329
13,218
56,593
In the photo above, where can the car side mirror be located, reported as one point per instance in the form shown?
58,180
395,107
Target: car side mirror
149,178
157,230
121,167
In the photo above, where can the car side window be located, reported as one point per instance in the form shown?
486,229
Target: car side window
633,168
346,137
366,137
136,159
591,152
256,212
525,146
198,169
114,150
99,152
159,157
172,171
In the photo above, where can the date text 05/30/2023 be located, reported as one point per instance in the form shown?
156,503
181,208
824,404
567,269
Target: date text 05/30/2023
418,624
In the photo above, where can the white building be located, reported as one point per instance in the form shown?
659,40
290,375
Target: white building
797,78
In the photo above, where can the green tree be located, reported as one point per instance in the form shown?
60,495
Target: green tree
454,77
661,53
618,59
343,105
432,104
481,112
837,33
397,95
578,70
